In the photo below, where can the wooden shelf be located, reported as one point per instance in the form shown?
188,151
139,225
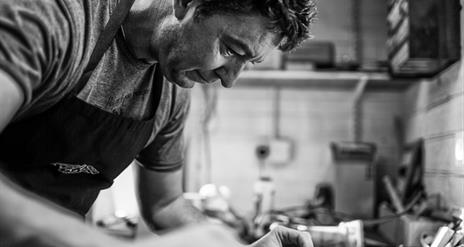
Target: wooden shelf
313,79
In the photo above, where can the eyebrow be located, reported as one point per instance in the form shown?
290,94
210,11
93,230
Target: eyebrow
242,45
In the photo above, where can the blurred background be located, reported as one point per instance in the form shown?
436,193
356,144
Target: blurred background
356,136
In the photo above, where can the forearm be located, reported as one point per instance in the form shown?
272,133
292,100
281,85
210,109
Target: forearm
179,212
26,220
11,99
202,235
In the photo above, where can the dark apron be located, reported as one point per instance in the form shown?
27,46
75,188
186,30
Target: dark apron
73,150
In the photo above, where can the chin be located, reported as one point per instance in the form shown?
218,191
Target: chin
185,84
177,77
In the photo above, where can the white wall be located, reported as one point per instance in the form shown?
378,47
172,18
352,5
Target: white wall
312,118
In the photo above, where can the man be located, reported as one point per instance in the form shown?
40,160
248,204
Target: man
83,94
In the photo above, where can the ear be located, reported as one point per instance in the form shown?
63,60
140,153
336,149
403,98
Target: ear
181,8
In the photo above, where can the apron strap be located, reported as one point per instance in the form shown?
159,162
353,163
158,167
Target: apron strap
104,41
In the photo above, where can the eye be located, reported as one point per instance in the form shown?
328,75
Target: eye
256,61
226,51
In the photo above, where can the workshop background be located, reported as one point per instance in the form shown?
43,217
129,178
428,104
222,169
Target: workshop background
284,117
313,114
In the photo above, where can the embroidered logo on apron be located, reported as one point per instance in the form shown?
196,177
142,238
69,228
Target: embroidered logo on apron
75,169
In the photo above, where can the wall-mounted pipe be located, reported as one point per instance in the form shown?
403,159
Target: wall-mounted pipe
357,31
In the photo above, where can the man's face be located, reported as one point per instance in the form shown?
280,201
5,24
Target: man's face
215,48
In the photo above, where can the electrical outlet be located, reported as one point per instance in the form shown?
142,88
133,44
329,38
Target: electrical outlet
281,151
276,151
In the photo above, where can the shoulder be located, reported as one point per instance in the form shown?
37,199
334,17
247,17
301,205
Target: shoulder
44,45
35,38
37,21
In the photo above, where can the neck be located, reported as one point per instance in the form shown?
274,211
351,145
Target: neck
143,26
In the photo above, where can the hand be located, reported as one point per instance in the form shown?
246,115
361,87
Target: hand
284,237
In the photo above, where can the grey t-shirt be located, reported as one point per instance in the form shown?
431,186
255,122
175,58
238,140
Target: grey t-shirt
45,45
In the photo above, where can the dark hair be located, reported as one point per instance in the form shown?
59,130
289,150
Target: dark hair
289,18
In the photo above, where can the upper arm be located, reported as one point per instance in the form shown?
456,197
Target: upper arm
160,164
166,152
34,43
11,99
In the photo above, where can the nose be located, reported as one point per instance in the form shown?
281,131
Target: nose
230,71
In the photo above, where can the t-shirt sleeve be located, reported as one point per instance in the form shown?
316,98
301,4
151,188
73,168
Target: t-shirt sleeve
33,40
166,152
